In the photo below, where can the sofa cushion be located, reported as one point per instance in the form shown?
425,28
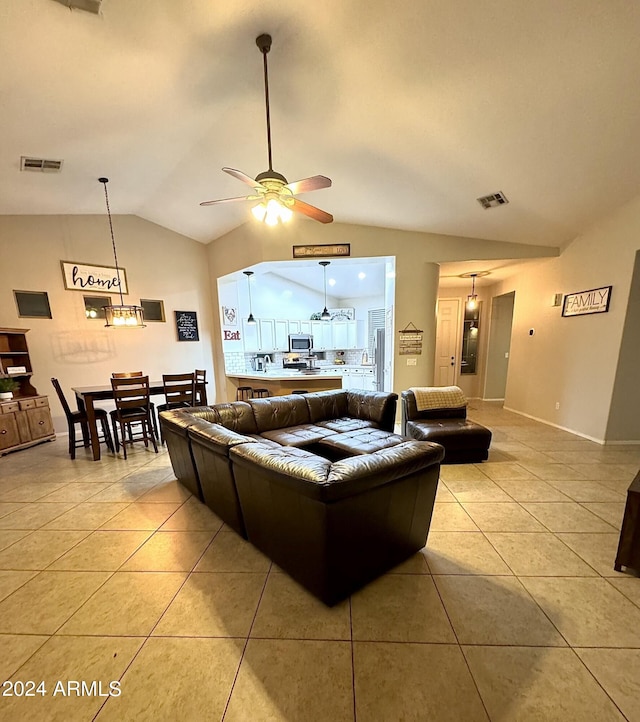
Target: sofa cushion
347,424
362,441
453,434
372,406
326,405
237,416
302,435
278,412
410,410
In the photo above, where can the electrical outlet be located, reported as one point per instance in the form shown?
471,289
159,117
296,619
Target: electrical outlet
412,362
557,405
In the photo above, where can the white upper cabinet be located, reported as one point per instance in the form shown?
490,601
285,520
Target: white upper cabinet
250,334
282,335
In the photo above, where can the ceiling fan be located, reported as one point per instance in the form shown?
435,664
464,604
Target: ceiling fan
275,193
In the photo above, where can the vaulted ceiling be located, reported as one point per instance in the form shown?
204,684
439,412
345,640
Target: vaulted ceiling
414,109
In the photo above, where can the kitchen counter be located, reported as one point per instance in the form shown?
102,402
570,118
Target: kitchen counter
283,381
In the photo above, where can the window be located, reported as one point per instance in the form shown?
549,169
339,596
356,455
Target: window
153,310
376,320
32,304
470,332
93,306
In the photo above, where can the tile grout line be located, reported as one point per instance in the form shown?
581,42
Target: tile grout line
246,644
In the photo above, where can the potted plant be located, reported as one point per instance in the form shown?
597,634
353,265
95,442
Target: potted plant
7,387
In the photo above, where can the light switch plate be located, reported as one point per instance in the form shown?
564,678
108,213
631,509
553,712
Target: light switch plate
412,362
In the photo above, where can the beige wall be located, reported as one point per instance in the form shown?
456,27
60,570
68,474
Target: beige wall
572,361
160,264
416,272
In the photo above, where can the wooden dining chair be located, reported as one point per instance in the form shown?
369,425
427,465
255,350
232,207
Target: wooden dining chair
80,417
131,395
201,391
154,421
179,391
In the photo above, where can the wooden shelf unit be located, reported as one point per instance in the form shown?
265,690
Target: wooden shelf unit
15,352
25,420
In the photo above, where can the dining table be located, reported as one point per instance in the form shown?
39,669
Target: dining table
87,395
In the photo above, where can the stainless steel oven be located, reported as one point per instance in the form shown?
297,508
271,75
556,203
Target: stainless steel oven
300,343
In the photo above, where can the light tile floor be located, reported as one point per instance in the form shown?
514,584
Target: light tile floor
111,572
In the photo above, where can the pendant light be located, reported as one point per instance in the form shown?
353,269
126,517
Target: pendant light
122,315
250,320
472,298
325,316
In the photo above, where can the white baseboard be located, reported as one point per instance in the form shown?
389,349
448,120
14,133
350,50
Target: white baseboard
602,442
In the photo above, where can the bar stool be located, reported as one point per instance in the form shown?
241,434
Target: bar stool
244,392
261,393
300,391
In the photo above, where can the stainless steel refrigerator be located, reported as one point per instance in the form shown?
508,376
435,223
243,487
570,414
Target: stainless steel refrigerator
379,357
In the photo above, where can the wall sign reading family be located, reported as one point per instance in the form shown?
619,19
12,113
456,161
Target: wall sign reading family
595,300
187,325
87,277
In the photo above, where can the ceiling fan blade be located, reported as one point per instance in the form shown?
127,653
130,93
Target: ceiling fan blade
315,183
226,200
311,211
243,177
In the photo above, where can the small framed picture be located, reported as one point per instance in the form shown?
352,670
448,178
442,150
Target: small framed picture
229,316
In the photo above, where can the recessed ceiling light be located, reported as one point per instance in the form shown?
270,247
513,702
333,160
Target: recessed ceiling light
362,275
332,281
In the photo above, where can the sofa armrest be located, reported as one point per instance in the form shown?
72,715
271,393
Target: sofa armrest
215,436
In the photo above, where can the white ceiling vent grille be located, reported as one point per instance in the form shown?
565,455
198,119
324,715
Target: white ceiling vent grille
493,200
40,164
91,6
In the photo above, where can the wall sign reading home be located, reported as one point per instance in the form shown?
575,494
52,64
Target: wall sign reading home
596,300
187,325
87,277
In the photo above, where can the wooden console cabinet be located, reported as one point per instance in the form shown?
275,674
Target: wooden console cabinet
25,420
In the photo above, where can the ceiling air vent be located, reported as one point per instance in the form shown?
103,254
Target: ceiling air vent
494,200
91,6
40,164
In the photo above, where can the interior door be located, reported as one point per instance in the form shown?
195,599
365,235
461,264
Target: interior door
447,342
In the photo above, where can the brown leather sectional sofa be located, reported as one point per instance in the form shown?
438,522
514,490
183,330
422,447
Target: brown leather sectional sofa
318,482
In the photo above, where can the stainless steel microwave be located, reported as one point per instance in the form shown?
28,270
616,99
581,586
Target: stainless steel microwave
300,342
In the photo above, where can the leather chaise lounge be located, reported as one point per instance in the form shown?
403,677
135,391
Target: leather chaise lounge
442,419
318,482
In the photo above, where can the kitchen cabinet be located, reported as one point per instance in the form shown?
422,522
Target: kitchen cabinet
282,335
322,335
364,379
250,336
305,327
266,335
345,335
294,326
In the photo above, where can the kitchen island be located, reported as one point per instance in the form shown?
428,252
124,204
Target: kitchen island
282,382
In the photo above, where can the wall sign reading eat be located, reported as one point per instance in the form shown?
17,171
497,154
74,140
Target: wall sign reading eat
87,277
